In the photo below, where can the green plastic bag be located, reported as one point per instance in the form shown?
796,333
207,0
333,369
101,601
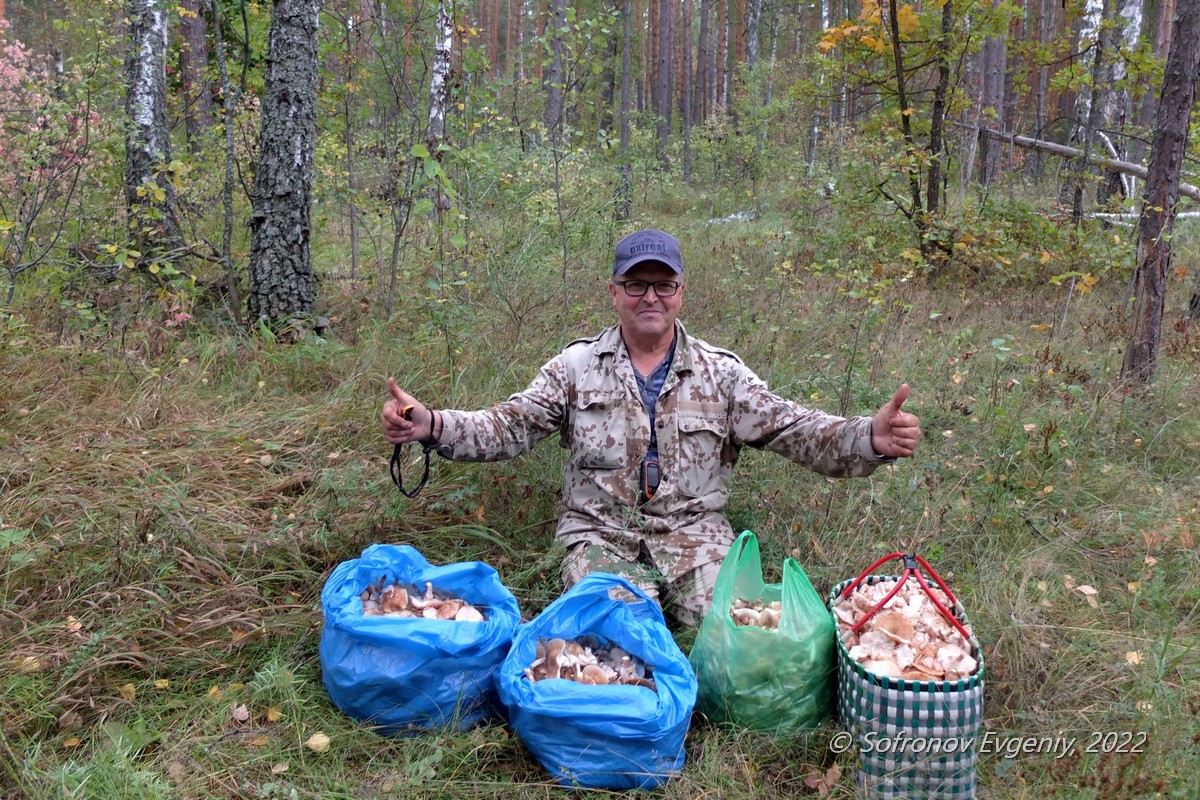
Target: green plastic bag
769,680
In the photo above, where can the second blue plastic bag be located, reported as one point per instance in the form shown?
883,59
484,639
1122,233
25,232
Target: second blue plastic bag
396,673
605,737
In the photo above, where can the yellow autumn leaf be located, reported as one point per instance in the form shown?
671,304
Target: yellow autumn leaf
259,741
74,741
127,691
1041,326
73,624
161,683
215,692
906,18
1133,657
318,742
1046,256
274,714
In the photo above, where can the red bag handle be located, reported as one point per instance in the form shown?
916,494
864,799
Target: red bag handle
913,564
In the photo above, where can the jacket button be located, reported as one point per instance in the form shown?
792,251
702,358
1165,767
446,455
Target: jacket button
659,423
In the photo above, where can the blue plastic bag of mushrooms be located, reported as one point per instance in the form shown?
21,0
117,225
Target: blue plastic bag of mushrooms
407,644
597,690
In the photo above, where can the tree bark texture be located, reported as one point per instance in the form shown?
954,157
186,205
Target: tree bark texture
1162,193
700,106
193,64
149,198
625,187
1054,148
662,77
439,85
993,68
753,17
281,275
938,111
688,89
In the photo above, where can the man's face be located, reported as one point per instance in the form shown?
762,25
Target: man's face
648,316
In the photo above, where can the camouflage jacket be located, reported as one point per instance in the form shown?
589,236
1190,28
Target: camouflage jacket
711,404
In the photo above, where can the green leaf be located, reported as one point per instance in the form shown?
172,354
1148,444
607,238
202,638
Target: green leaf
459,241
420,151
423,206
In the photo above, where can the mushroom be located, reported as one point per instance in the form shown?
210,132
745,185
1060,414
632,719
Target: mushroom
745,616
468,613
768,618
896,626
594,675
393,598
449,609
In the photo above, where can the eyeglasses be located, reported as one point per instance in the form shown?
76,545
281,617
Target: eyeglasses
639,288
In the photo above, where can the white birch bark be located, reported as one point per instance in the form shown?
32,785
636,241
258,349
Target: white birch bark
439,86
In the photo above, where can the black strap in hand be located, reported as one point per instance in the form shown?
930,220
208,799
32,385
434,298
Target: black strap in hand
398,479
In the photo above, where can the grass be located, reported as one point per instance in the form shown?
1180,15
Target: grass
171,502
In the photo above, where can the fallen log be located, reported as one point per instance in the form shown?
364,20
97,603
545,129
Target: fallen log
1127,167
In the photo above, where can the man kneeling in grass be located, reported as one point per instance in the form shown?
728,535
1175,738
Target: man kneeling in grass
654,420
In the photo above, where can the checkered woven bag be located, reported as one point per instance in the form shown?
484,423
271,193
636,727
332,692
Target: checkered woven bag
916,740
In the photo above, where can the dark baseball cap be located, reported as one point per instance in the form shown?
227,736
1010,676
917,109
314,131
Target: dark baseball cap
651,245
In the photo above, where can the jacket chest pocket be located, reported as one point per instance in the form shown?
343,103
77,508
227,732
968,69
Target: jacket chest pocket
702,440
599,433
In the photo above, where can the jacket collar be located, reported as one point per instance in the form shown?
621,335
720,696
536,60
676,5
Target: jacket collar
610,343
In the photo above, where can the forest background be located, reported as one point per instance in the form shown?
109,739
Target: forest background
224,224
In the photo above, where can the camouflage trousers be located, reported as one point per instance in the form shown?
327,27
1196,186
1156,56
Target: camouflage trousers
686,599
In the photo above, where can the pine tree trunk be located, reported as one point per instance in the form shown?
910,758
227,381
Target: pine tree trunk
993,66
281,275
1162,193
662,78
149,191
624,193
193,63
688,100
700,107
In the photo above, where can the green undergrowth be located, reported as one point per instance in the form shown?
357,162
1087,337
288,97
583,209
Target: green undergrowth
172,500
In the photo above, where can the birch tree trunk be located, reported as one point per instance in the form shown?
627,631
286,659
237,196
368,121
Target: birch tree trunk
1162,193
281,275
1084,119
439,84
149,197
1118,106
753,17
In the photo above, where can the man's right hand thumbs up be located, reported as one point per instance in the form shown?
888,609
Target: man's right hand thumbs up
404,418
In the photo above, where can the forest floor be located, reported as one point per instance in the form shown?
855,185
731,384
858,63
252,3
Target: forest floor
173,498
